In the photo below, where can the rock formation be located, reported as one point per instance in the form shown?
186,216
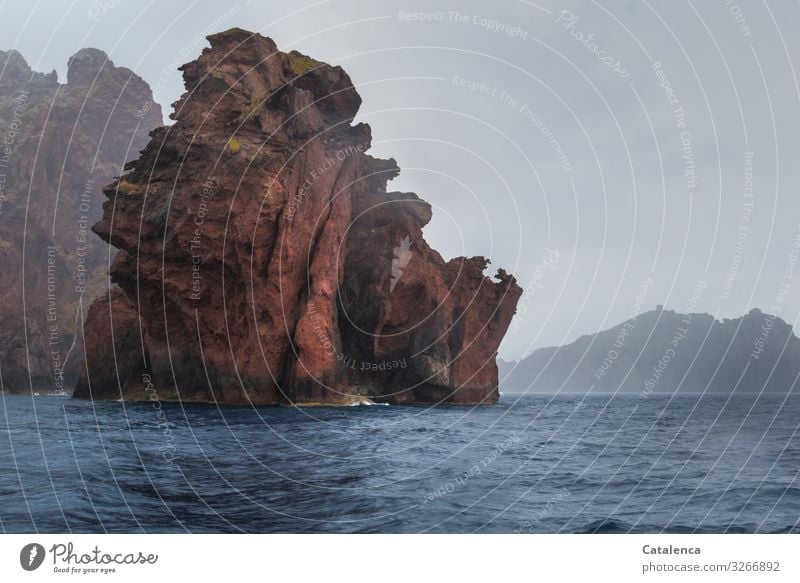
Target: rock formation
60,144
665,351
263,261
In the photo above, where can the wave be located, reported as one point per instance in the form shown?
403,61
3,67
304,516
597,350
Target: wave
606,526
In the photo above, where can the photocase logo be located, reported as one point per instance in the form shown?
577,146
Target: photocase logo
402,255
31,556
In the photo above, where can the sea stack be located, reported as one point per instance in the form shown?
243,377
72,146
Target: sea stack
262,261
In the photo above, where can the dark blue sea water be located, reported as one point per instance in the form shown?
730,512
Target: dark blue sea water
531,464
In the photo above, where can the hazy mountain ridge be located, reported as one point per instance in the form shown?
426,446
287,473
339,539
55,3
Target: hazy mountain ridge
664,351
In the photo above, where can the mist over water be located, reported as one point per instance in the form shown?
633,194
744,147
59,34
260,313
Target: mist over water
564,463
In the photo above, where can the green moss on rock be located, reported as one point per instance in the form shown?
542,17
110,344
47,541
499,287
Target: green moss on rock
126,187
301,64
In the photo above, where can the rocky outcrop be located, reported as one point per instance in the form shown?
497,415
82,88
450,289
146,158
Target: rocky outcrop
61,143
665,351
263,261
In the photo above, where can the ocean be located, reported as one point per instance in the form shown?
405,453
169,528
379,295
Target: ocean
538,463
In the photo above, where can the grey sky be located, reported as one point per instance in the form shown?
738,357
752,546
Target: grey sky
558,150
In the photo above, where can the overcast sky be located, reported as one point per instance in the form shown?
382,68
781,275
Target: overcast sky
614,157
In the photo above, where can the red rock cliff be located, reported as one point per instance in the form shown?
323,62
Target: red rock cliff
263,261
60,143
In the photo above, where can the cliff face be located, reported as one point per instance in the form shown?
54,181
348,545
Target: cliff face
664,351
263,261
61,143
